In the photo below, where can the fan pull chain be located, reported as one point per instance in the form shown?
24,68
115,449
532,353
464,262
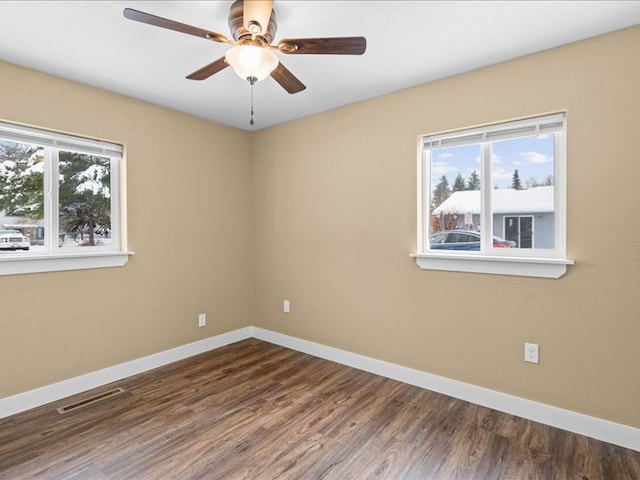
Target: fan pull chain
252,81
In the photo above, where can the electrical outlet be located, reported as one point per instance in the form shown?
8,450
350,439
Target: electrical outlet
202,319
531,353
286,306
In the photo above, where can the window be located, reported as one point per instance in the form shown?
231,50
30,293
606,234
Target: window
492,199
519,230
60,195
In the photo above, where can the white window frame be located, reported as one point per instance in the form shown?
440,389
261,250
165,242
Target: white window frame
547,263
55,258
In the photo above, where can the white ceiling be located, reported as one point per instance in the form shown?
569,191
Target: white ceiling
408,43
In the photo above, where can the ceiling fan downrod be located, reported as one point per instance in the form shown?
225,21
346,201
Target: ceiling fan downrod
252,81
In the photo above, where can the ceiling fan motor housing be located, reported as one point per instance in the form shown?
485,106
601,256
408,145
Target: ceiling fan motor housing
238,30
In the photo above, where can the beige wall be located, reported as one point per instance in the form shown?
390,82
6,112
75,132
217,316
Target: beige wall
335,216
330,203
189,218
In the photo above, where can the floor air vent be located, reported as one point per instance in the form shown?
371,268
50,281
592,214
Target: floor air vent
91,400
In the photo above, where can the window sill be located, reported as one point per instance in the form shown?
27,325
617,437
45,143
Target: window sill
497,265
35,263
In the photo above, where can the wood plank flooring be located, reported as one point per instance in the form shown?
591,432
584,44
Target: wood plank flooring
254,410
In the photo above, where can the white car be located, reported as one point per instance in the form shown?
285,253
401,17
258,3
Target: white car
13,240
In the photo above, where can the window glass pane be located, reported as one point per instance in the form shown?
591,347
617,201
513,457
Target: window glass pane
455,197
439,237
522,199
526,232
85,200
21,197
511,229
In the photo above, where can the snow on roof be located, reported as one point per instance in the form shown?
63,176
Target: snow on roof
503,200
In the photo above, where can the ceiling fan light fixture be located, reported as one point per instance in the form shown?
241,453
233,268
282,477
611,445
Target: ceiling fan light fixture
251,62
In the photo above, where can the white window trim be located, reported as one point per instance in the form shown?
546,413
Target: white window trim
530,263
55,259
494,264
35,263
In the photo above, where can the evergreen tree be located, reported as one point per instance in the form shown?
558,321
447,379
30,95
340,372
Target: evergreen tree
458,184
21,180
473,183
441,192
84,195
515,181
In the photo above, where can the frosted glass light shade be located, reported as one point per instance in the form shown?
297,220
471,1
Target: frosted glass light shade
249,61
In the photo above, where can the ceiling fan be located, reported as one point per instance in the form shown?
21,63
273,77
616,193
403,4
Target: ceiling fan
253,26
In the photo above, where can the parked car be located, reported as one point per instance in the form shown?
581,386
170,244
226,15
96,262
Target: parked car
13,240
464,240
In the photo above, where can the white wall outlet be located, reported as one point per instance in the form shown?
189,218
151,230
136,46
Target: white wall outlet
531,353
202,319
286,306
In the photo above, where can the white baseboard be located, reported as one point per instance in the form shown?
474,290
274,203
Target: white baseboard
50,393
604,430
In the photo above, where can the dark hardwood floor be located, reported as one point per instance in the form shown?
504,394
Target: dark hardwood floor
253,410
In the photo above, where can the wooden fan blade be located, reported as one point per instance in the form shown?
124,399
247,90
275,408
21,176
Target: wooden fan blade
154,20
287,80
208,70
323,46
258,11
